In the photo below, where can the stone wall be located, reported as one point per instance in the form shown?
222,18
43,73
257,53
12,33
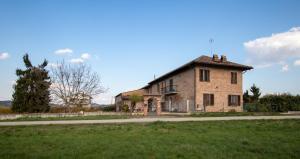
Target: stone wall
185,88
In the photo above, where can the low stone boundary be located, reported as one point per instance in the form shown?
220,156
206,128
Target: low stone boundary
54,115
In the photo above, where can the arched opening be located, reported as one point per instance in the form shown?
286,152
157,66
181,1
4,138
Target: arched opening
152,105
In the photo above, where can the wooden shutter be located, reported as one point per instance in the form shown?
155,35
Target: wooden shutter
229,102
239,100
201,75
207,75
233,77
212,99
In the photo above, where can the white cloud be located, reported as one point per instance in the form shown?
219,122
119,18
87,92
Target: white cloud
85,56
54,65
77,60
4,56
285,68
82,59
63,51
297,63
274,49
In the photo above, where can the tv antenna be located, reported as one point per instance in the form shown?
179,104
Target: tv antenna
211,41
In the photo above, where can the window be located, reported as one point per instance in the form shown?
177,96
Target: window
204,75
233,77
234,100
208,99
171,84
150,90
157,87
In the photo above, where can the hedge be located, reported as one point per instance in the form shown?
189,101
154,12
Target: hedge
275,103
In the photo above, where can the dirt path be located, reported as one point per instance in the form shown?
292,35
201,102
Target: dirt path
146,120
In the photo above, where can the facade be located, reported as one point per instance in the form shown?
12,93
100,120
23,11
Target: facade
206,84
122,99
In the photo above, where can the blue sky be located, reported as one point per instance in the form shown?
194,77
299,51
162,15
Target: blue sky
127,42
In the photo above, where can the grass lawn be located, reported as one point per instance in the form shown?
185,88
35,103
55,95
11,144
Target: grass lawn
218,139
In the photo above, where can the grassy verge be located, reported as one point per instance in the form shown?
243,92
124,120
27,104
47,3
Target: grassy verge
220,139
220,114
103,117
97,117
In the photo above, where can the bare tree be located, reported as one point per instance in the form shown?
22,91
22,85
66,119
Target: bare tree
71,82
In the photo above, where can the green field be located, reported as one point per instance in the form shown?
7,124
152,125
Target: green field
220,139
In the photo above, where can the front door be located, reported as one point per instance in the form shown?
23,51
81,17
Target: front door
151,107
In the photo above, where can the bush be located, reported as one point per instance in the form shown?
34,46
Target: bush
275,103
110,108
250,107
125,108
5,110
72,109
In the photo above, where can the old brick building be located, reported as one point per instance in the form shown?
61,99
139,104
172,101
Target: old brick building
206,84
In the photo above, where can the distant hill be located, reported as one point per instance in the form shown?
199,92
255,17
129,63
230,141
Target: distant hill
101,105
6,103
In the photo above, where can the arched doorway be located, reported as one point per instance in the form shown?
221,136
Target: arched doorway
152,106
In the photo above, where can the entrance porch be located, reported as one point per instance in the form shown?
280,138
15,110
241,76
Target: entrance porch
152,105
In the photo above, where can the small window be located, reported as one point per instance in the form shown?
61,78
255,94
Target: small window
208,99
234,100
157,87
171,84
233,77
204,75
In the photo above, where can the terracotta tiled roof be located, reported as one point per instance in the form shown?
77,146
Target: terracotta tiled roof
205,61
209,60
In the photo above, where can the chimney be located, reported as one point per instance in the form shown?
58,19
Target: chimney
223,58
215,58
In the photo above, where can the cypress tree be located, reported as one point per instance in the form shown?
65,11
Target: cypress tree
256,93
31,92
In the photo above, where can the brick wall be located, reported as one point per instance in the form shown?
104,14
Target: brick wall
219,85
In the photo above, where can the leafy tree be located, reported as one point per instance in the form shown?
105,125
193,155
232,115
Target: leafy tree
246,97
31,92
135,99
255,93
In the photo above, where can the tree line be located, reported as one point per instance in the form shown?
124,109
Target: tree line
65,85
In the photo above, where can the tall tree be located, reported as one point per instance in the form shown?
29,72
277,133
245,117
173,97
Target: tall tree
256,93
31,91
70,82
246,97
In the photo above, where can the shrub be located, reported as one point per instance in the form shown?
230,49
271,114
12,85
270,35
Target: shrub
274,103
110,108
250,107
5,110
72,109
125,108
